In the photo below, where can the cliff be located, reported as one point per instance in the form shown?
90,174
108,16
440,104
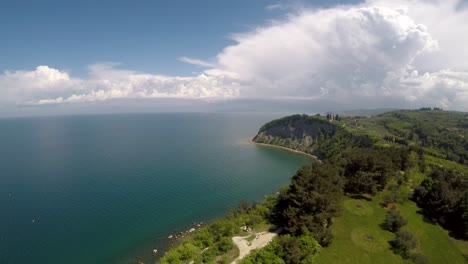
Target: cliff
297,132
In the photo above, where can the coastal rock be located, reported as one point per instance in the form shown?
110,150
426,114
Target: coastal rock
297,132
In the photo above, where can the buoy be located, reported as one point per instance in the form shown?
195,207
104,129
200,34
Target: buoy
33,220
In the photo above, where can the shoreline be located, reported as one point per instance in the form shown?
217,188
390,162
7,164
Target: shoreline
177,236
285,148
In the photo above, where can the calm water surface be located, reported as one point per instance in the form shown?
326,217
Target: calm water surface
108,189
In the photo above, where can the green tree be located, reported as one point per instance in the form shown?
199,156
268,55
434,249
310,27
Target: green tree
311,201
267,254
443,196
393,220
204,238
286,249
464,213
181,254
404,242
300,250
225,244
222,228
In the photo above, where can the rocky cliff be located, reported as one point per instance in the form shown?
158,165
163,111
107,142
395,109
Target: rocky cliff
297,132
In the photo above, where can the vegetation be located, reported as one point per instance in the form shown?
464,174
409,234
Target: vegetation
444,198
311,202
212,243
439,133
394,220
393,183
404,243
286,249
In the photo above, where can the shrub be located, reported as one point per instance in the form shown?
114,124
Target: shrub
403,243
393,220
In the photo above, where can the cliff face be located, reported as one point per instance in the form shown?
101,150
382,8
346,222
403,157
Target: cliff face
298,132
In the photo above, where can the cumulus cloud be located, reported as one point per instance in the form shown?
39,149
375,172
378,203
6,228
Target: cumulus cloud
379,52
51,86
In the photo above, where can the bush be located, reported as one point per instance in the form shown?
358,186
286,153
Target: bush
286,249
403,243
393,220
225,245
418,258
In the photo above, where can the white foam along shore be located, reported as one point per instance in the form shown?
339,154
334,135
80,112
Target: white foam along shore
285,148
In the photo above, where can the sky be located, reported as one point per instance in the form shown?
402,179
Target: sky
65,57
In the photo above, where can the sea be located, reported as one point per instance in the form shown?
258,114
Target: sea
111,188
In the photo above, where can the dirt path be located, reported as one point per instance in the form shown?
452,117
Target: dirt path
261,240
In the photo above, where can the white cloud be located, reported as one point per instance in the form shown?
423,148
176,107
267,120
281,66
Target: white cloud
196,62
378,53
20,86
51,86
338,50
358,55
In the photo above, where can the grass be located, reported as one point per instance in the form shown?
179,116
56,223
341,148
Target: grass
262,227
430,160
251,237
415,177
359,237
434,242
232,254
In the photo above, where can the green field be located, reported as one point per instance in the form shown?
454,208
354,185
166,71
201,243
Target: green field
359,237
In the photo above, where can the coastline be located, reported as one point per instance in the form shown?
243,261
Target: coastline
175,240
287,149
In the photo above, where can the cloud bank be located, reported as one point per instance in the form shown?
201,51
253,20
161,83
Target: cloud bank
46,85
378,53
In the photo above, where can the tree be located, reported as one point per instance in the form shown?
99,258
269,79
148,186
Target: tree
367,170
222,228
286,249
225,244
418,258
444,197
393,220
362,182
181,254
403,243
464,214
204,238
267,254
311,201
299,250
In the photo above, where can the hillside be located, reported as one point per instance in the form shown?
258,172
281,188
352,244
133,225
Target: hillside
297,132
310,134
391,188
439,133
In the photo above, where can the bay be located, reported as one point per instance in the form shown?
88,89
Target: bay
110,188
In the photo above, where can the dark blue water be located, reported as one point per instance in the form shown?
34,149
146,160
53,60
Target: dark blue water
108,189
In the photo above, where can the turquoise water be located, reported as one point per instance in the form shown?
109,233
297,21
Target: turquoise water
108,189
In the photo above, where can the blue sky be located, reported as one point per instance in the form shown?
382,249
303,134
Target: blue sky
143,35
72,56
